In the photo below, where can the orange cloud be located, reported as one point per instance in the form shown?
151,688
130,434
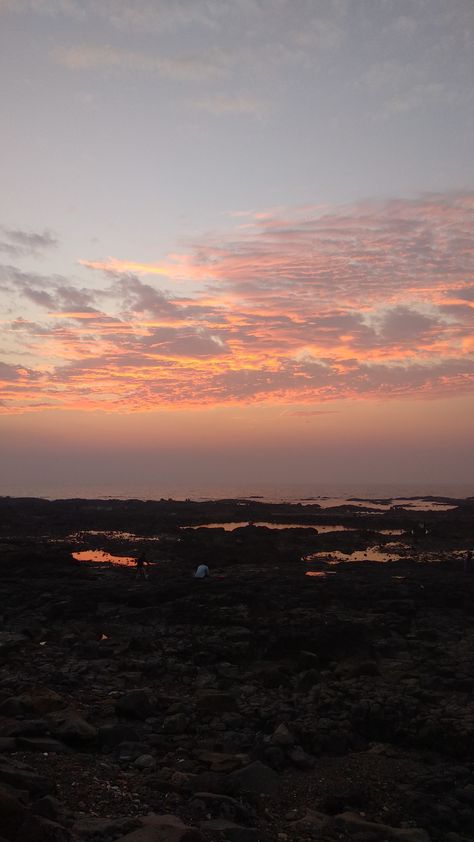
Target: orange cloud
371,301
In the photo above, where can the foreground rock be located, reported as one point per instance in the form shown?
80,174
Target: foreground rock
260,704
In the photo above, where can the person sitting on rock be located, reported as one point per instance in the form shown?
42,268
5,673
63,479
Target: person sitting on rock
201,572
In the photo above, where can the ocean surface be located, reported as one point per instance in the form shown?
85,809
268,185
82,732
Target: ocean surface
305,493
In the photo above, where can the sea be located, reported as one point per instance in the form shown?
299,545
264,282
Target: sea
306,493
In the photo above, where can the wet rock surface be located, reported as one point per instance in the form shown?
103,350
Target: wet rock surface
257,704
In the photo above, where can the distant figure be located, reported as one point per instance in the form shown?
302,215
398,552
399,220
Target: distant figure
140,572
468,562
202,572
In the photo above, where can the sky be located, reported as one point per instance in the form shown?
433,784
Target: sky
236,242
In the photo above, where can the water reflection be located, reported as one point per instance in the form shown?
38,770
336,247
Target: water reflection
101,557
418,504
370,554
111,534
391,531
231,525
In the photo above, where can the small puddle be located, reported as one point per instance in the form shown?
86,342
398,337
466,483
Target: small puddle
371,554
230,526
390,531
100,557
112,535
415,504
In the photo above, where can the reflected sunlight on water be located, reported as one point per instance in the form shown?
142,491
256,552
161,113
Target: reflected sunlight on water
98,556
370,554
231,525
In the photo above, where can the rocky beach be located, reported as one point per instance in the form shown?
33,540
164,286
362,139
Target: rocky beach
317,686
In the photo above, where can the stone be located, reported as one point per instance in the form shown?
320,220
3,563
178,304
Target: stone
209,702
23,778
222,762
256,778
37,701
72,728
176,724
164,828
47,745
135,704
219,829
311,821
92,827
39,829
300,759
113,734
224,806
354,823
145,761
307,660
12,814
48,807
282,736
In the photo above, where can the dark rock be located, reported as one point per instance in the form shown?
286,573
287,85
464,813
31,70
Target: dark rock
12,814
48,807
115,733
93,828
177,724
256,778
44,744
209,703
39,700
21,777
219,829
72,728
300,759
223,806
39,829
165,828
283,737
354,823
135,704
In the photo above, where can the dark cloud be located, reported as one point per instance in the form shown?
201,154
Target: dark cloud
403,324
15,373
19,243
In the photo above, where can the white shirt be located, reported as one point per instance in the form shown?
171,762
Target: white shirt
202,571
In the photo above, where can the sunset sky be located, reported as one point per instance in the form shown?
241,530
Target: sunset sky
236,242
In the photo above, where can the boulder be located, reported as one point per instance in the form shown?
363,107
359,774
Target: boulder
37,701
135,704
46,745
209,702
72,728
283,737
113,734
165,828
93,828
256,778
23,778
219,829
12,814
356,824
39,829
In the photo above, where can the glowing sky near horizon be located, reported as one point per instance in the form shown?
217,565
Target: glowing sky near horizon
236,240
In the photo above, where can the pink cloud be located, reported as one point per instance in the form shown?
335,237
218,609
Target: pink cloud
368,301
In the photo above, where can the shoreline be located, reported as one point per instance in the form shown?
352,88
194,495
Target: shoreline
257,704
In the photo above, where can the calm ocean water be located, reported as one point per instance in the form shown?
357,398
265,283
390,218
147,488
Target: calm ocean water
268,493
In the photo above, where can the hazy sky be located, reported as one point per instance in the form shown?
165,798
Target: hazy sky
236,241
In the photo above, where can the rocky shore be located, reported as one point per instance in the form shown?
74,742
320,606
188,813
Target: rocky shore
259,704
